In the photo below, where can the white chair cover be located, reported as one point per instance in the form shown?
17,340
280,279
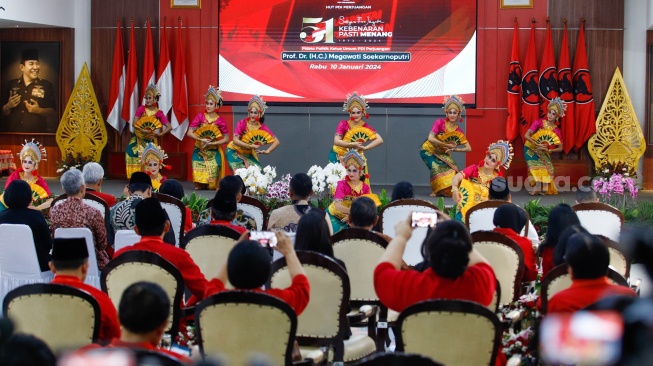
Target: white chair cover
93,275
19,264
255,212
482,219
175,215
601,222
392,215
125,238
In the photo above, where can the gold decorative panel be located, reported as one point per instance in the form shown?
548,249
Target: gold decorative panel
81,129
618,140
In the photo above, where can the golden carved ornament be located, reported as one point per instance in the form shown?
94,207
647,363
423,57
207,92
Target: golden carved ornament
618,137
81,129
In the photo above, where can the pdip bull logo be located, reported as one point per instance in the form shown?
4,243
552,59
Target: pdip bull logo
565,90
514,77
530,92
549,83
582,89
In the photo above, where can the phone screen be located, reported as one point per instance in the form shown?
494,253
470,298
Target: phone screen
265,238
424,219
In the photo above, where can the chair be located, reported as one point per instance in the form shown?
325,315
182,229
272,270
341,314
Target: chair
398,211
140,265
209,247
601,219
558,279
454,332
324,321
125,238
619,261
256,209
239,324
19,264
89,200
93,274
480,217
176,212
63,317
396,359
506,259
361,250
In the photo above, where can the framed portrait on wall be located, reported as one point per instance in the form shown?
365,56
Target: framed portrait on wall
29,94
510,4
196,4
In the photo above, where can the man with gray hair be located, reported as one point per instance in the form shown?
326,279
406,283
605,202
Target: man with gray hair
93,175
74,213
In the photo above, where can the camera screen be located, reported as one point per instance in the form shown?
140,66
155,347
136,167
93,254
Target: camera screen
424,219
265,238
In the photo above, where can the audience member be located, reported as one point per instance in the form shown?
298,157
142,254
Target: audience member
70,266
586,194
363,215
235,185
313,235
26,350
561,248
73,213
173,188
509,221
286,218
223,210
123,213
93,177
152,224
561,217
588,259
402,190
18,198
499,191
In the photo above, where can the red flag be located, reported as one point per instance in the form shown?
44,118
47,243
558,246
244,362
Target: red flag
514,88
130,103
585,114
117,88
164,82
530,92
148,61
548,73
566,92
180,93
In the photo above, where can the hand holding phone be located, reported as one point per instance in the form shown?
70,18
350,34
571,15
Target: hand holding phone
424,219
265,238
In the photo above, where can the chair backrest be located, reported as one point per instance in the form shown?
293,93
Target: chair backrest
93,274
480,217
140,265
600,218
209,247
506,259
176,212
89,200
399,210
19,264
256,209
453,332
361,250
125,238
558,279
619,260
62,316
396,359
230,324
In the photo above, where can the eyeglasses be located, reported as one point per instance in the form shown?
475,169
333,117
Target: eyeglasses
352,170
152,164
29,162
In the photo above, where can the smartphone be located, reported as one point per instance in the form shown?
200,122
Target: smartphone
424,219
265,238
583,337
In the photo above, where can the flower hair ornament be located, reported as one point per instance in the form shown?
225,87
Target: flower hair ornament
455,102
153,91
152,152
34,150
214,94
258,103
354,158
355,100
504,152
559,106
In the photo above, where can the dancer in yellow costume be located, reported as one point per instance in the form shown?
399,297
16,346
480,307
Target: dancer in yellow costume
30,156
152,157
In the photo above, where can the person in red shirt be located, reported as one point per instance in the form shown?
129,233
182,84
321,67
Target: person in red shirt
588,259
561,217
93,175
70,265
224,208
151,224
509,221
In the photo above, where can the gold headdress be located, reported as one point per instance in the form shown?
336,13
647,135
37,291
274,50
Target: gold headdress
214,94
454,101
504,152
34,150
355,100
151,152
557,104
258,103
152,90
353,158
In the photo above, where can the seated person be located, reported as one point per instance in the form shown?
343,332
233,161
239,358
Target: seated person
402,190
286,218
223,211
173,188
25,350
586,194
313,235
588,259
93,175
74,213
70,266
456,270
560,217
122,214
363,215
18,197
510,220
151,225
143,312
561,248
248,268
235,185
499,191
